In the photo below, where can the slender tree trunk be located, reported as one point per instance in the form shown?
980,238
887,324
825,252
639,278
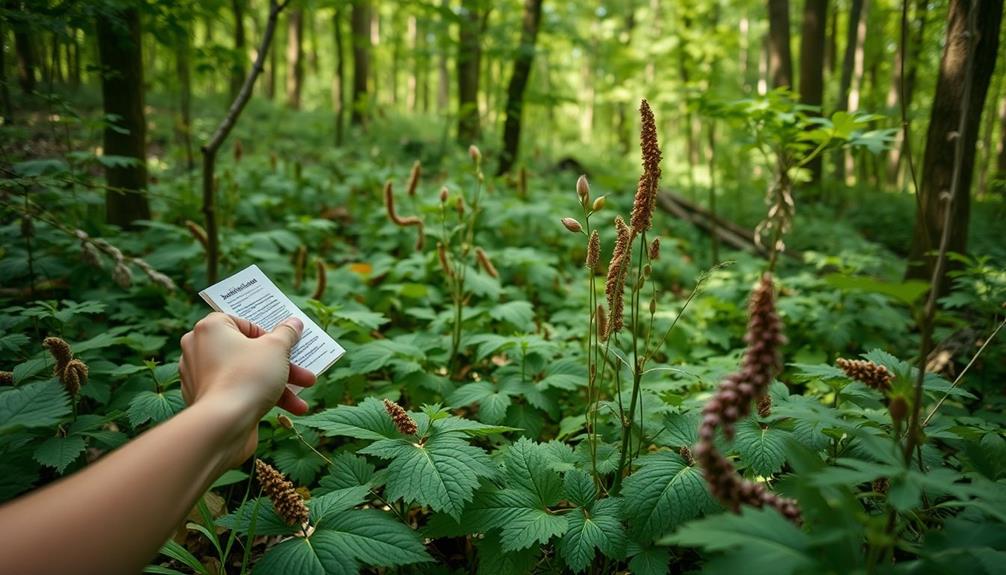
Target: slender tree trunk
56,67
914,48
812,46
780,61
948,163
183,70
339,79
443,74
986,161
412,77
294,57
238,68
831,46
360,20
121,55
852,43
1001,156
8,106
76,61
518,84
24,50
856,86
469,57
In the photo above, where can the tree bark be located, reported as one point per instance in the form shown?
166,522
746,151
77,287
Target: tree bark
360,28
780,61
121,56
910,64
469,59
1001,156
294,58
339,79
238,67
183,71
852,43
518,84
948,164
812,45
24,50
8,106
443,74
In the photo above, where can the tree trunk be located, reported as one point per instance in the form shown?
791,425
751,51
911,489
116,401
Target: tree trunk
294,57
24,50
780,62
238,67
852,43
1001,156
412,80
75,71
121,56
812,45
518,84
965,71
8,106
183,70
339,79
911,60
360,24
443,74
469,58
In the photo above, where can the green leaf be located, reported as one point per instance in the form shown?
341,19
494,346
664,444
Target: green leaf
519,314
470,393
599,529
373,537
650,561
59,452
347,470
154,407
324,506
760,540
469,427
527,469
493,560
368,420
680,430
230,477
566,374
763,449
907,292
663,493
442,473
318,555
39,404
580,488
523,521
492,409
268,522
31,368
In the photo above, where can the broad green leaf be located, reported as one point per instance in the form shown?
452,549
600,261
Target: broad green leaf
493,560
566,374
759,540
527,469
663,493
600,529
763,449
333,502
492,409
907,292
650,561
580,488
347,470
680,430
374,537
154,407
519,314
267,522
320,554
39,404
59,452
470,393
469,427
368,420
31,368
518,514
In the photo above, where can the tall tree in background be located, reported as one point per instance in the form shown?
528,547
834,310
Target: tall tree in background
24,48
812,44
852,43
780,61
238,66
294,57
1001,156
8,107
360,28
443,75
339,78
183,71
121,55
518,84
468,70
906,93
969,57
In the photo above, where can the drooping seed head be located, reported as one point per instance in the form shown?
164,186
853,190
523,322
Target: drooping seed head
486,263
572,225
414,174
444,193
288,503
445,264
74,376
871,374
198,233
321,280
60,351
122,275
654,251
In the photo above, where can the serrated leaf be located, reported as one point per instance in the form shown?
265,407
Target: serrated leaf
663,493
325,506
30,368
374,537
650,561
763,449
39,404
443,473
580,488
318,555
154,407
347,470
492,409
368,420
493,560
760,540
518,514
470,393
600,529
469,427
527,469
566,374
267,522
680,430
59,452
519,314
11,342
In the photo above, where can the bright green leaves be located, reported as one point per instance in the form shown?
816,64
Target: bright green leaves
39,404
518,514
756,541
580,488
154,407
368,420
763,449
590,529
663,493
59,452
527,470
319,555
441,473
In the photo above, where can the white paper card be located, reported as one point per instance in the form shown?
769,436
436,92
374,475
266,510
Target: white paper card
250,295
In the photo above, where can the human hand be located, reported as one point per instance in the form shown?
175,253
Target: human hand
232,364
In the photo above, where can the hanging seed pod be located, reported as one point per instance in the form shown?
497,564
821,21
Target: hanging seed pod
321,280
74,376
60,351
583,191
389,204
403,422
413,183
765,406
654,251
871,374
89,254
598,204
288,503
572,225
486,263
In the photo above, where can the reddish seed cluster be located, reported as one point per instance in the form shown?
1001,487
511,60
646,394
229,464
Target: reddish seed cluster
871,374
6,378
733,401
72,373
405,424
646,192
288,503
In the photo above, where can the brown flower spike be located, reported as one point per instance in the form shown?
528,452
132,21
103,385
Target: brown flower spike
389,204
288,503
6,378
614,286
486,263
417,170
405,424
646,192
733,401
871,374
593,250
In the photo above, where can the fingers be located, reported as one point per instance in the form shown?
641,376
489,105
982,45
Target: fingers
246,327
301,377
290,402
288,331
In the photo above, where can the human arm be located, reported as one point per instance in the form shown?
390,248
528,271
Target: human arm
113,516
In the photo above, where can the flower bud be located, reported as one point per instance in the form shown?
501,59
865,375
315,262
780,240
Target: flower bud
284,421
474,153
898,408
583,190
443,195
598,204
572,225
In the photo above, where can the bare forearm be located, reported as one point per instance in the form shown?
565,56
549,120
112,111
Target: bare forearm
113,516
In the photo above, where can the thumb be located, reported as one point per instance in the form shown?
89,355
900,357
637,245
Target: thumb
288,331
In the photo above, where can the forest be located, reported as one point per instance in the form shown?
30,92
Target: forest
624,286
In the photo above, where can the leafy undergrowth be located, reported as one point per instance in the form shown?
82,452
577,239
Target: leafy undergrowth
517,459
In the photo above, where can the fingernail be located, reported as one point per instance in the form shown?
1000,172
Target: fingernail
296,323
